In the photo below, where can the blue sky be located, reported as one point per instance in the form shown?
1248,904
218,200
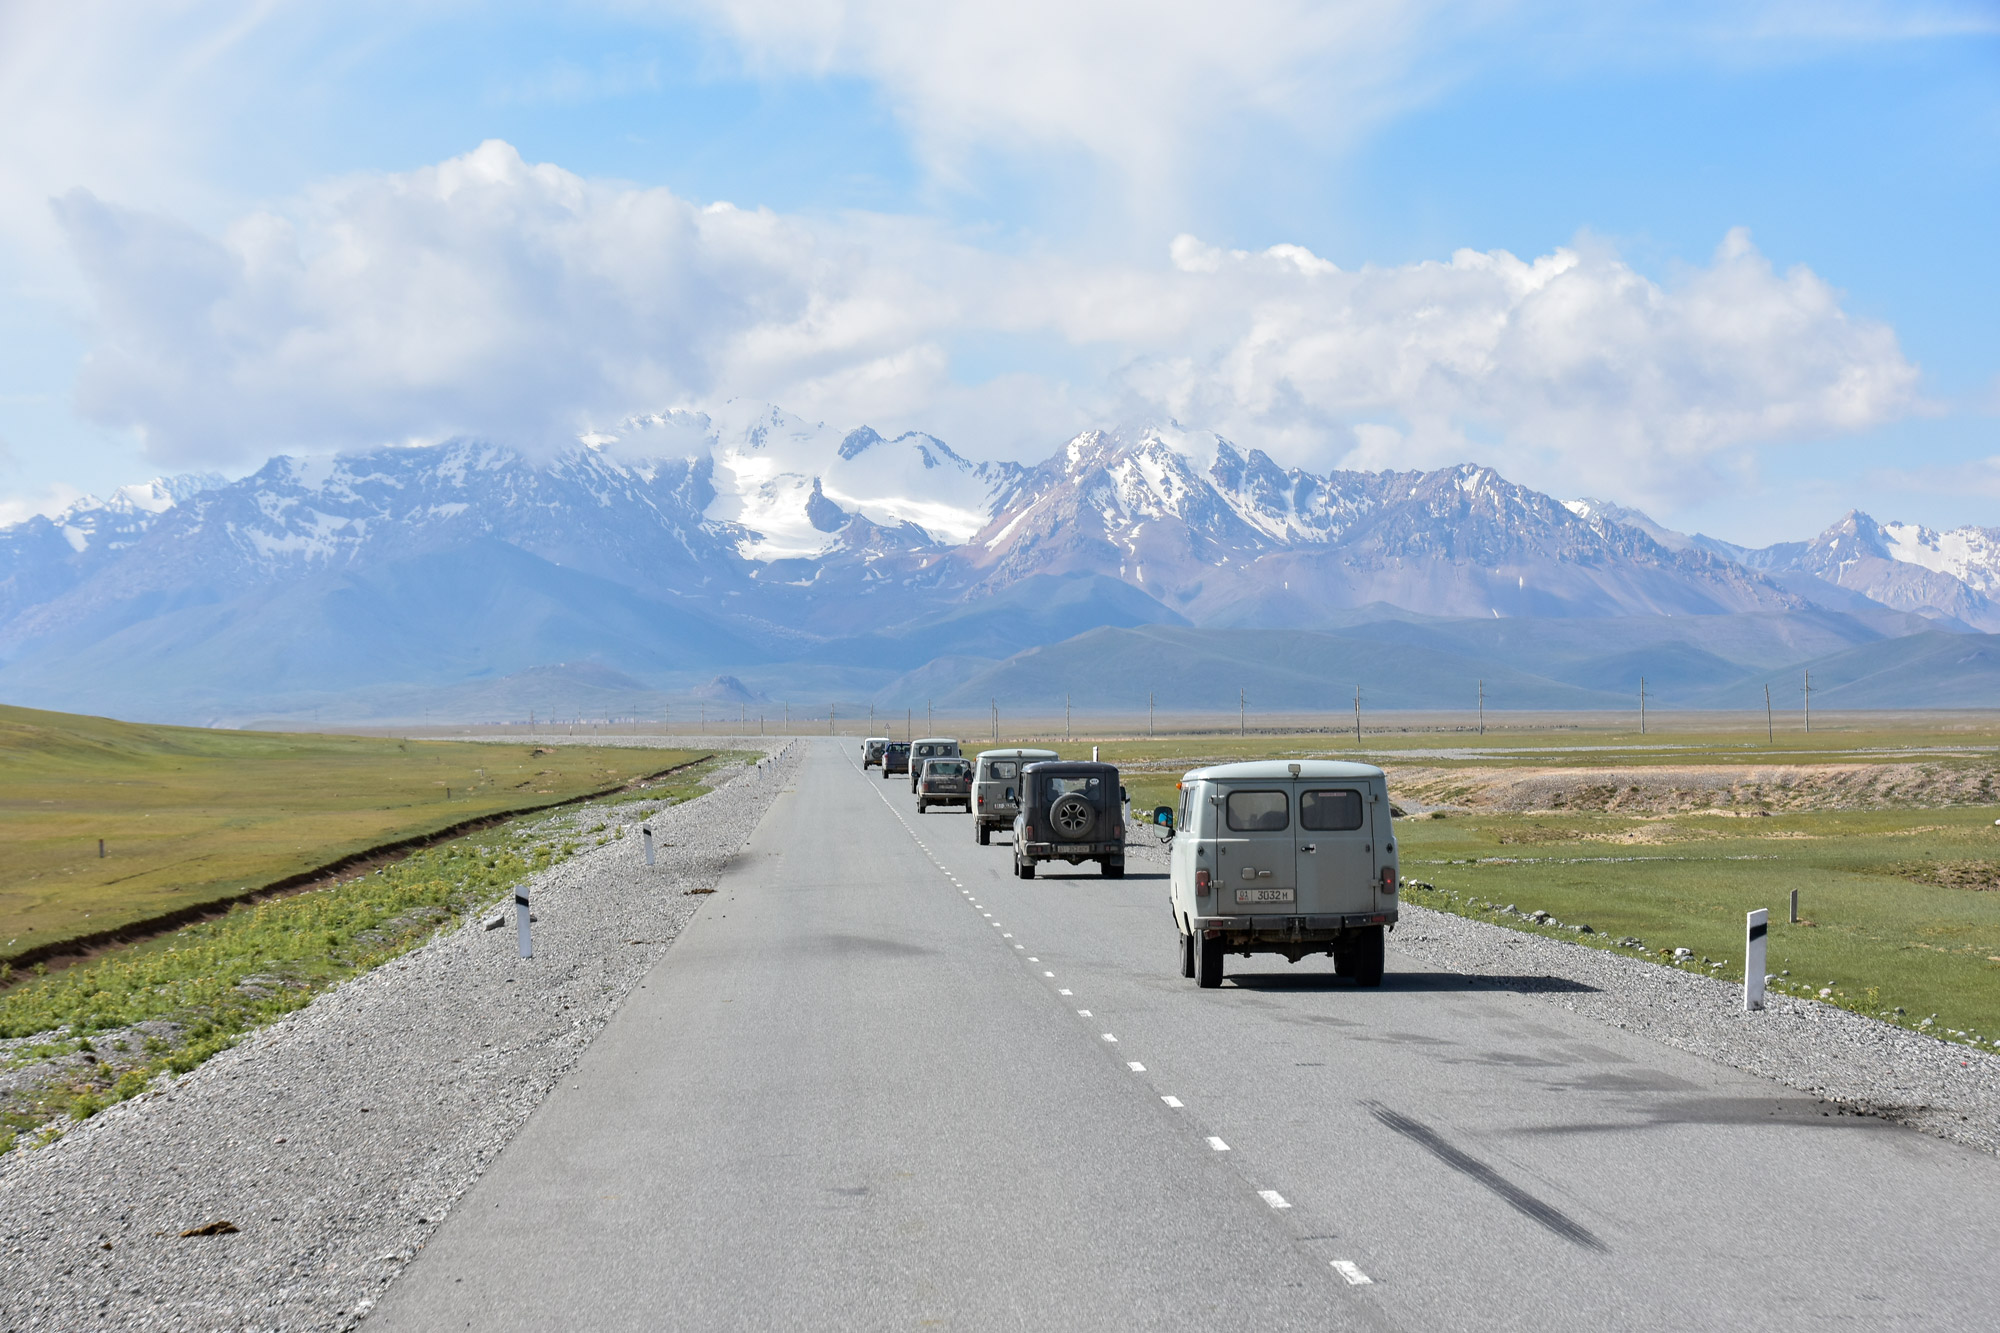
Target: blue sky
234,229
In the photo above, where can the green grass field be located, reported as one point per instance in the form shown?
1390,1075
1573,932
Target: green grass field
190,815
82,1037
1900,905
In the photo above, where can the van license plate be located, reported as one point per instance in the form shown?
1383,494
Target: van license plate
1265,895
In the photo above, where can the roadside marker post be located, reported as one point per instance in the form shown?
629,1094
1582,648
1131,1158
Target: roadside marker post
521,919
1795,898
1756,929
646,835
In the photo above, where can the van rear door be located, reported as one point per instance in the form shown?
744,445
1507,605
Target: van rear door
1255,852
1334,845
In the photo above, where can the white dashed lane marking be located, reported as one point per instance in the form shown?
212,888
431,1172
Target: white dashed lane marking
1217,1144
1083,1013
1135,1066
1350,1270
1060,992
1048,974
1174,1102
1108,1037
1272,1197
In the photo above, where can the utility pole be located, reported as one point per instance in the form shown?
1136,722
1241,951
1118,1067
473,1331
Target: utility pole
788,715
1149,714
1770,730
928,724
704,719
1357,715
994,704
871,719
1065,717
829,719
1482,708
909,724
1807,690
1642,705
1242,715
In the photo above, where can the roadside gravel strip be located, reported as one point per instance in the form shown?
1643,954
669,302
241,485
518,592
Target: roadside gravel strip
1859,1065
335,1140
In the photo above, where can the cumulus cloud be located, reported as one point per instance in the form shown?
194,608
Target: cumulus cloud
520,302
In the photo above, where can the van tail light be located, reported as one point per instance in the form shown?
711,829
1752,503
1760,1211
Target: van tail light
1388,879
1201,882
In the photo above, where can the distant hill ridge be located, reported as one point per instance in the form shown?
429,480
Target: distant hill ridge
753,545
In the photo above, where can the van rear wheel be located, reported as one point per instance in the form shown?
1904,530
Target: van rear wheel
1208,963
982,834
1113,869
1024,869
1187,955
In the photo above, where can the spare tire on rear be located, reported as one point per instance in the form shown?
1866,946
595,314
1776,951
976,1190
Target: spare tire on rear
1072,817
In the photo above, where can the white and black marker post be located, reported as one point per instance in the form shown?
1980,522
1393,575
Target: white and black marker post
1756,928
521,918
647,834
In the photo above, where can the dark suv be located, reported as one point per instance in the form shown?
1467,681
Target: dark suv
895,758
1071,811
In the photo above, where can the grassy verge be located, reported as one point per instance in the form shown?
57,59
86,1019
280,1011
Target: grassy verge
77,1040
190,816
1900,920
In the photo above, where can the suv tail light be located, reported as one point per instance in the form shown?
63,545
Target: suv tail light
1388,879
1201,882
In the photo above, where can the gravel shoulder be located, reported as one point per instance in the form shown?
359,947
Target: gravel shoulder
1856,1063
336,1140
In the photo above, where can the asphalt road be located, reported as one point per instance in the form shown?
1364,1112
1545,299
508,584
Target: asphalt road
881,1083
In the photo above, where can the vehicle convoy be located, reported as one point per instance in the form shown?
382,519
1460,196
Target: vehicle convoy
1071,810
944,782
871,751
996,786
895,758
1283,857
936,747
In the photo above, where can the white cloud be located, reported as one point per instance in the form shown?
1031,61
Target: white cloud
520,302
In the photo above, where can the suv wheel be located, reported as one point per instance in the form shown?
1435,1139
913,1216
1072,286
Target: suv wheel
982,834
1072,817
1024,869
923,807
1187,955
1114,868
1208,963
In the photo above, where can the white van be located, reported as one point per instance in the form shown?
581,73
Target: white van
934,747
1288,857
996,789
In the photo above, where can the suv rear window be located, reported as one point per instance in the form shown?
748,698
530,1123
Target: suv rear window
1002,770
1058,787
946,768
1258,811
1330,811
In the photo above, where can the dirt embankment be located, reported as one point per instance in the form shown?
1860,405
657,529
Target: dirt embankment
1742,790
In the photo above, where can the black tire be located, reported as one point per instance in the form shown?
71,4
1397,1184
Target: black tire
1361,960
1113,869
1208,963
1072,818
982,835
923,807
1024,869
1187,955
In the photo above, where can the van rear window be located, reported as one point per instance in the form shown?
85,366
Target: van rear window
1002,770
1330,811
1258,811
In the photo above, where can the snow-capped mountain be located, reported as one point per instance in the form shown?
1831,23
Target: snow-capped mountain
682,545
1224,536
1951,576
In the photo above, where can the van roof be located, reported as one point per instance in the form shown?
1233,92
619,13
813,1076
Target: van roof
936,740
1266,770
1016,754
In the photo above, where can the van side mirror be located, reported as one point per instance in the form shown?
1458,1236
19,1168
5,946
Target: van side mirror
1124,796
1163,815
